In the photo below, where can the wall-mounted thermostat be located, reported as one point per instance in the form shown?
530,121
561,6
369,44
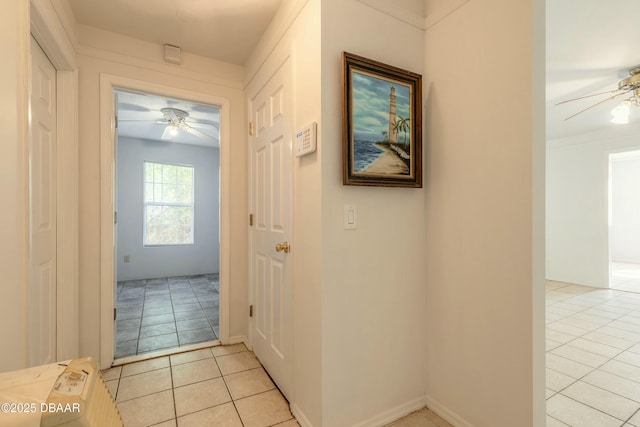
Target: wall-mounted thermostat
306,140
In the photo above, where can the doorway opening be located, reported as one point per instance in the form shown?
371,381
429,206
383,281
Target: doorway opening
624,222
167,231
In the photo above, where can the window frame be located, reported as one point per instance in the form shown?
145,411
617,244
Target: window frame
145,203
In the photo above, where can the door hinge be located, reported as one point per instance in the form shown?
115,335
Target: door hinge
252,129
251,311
114,313
250,219
115,217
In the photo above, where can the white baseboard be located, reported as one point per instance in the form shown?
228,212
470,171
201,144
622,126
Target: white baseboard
299,416
446,413
395,413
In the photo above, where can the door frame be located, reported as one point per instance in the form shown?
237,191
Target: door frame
50,35
108,83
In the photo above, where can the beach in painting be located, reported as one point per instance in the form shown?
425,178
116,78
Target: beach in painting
377,159
388,163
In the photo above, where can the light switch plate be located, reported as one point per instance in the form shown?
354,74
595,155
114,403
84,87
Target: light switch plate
350,217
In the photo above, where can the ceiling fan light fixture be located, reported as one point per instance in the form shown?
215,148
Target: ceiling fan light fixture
625,86
632,82
173,130
621,113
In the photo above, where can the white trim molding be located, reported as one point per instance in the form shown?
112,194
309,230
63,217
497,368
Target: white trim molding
299,416
52,36
446,413
436,12
394,414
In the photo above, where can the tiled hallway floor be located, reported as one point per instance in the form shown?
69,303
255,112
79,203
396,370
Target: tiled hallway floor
625,276
157,314
593,356
216,386
221,386
592,367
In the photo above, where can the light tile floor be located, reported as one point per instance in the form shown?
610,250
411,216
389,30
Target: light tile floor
421,418
222,386
593,372
625,276
164,313
593,356
215,386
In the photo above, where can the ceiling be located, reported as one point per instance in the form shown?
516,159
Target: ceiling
225,30
140,116
591,45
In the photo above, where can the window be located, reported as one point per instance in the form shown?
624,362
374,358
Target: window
168,204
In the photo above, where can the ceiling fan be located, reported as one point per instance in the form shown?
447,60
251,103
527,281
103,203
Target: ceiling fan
621,112
176,119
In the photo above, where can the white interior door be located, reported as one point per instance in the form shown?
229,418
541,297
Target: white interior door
271,187
42,188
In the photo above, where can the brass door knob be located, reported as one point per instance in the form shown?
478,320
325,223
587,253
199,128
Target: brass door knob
283,247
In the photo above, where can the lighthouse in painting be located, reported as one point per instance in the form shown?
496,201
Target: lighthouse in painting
392,115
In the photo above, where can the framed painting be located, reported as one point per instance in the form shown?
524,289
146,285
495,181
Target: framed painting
382,124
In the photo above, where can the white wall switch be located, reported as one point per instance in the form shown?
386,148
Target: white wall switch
350,217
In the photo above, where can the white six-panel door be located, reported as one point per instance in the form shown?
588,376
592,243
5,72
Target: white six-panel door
42,195
271,205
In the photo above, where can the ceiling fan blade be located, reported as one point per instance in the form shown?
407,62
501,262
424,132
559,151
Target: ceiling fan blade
167,133
596,104
142,120
205,122
132,107
197,132
589,96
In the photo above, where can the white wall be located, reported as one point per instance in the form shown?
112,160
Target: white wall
415,313
164,261
484,133
577,204
625,209
374,287
99,53
14,44
355,291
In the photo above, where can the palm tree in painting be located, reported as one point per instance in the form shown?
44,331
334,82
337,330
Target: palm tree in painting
385,135
402,125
